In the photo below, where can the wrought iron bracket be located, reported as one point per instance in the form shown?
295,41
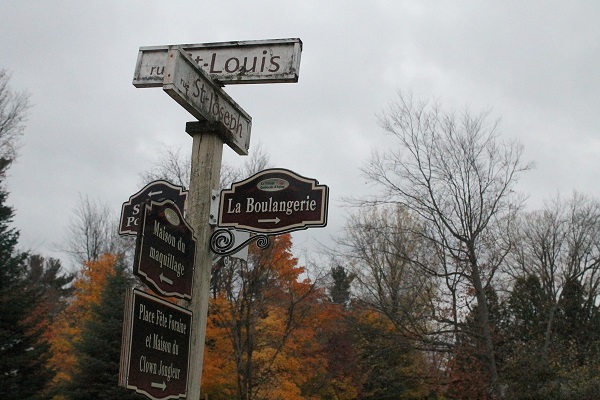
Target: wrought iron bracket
222,242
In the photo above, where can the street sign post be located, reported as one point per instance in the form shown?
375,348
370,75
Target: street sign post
257,61
156,190
274,201
156,347
220,120
165,250
191,87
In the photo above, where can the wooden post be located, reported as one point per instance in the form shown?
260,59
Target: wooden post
207,152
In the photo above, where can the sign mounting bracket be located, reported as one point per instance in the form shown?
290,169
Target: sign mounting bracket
215,197
223,240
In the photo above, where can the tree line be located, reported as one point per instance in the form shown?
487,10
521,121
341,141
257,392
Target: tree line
442,286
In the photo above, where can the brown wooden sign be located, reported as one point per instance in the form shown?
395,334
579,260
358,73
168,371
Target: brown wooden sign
156,347
157,190
274,201
165,250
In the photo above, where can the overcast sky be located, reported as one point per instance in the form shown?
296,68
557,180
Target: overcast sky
534,64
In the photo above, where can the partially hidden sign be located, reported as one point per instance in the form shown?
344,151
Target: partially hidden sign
165,250
156,347
156,190
274,201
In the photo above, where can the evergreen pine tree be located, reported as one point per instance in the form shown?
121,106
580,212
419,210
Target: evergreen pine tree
99,351
339,291
389,366
23,351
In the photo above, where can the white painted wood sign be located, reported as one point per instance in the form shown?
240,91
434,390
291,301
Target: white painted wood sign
195,91
257,61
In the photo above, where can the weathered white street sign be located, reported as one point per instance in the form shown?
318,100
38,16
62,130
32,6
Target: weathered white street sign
155,350
191,87
258,61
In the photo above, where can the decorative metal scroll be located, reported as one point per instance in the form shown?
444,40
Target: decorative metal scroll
222,242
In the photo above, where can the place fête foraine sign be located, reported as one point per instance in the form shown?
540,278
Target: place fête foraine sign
274,201
236,62
165,250
156,347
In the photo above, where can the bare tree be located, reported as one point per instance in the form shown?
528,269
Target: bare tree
93,231
174,165
560,245
456,176
13,114
380,246
257,161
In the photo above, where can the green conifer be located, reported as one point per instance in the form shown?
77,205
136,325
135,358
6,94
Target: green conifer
100,347
23,352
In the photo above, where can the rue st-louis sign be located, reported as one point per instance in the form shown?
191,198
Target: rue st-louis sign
255,61
193,73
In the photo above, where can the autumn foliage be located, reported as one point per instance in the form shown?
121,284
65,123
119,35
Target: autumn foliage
276,330
267,334
66,330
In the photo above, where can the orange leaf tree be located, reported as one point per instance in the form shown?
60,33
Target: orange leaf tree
65,332
260,335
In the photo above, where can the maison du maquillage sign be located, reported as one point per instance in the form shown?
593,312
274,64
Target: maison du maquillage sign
165,250
255,61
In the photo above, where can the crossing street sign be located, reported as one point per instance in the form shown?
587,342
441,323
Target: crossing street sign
191,87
